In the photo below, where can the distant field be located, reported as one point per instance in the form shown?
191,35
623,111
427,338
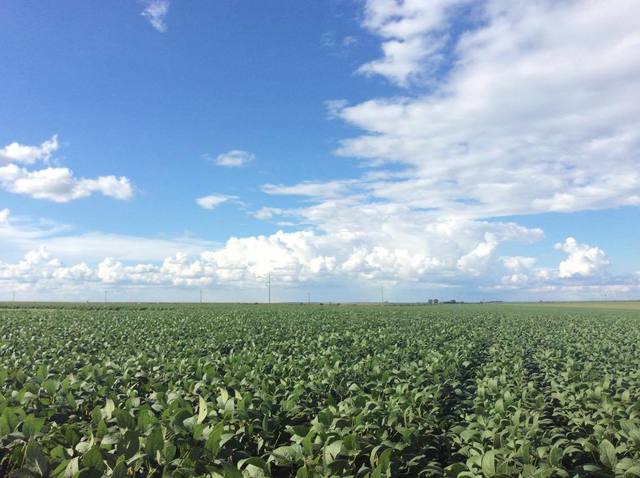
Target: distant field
619,305
494,390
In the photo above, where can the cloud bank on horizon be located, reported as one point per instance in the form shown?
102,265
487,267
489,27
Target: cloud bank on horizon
536,111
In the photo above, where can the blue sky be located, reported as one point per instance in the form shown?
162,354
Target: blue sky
436,148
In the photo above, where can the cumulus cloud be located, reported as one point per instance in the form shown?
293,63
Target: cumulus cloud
584,269
478,257
60,185
155,11
55,184
212,201
299,256
234,159
21,153
40,266
583,260
304,256
111,271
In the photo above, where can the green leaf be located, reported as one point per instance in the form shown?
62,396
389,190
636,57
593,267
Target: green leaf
555,456
168,452
129,444
488,464
178,420
384,460
35,460
72,468
254,467
331,451
93,459
202,410
632,472
288,455
145,420
108,408
120,470
231,471
31,426
213,440
102,429
124,419
154,443
608,455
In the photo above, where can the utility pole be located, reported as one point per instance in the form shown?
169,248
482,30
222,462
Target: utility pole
13,296
382,295
201,296
105,296
269,285
308,298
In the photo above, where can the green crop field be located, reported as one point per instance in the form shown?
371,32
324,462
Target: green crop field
319,391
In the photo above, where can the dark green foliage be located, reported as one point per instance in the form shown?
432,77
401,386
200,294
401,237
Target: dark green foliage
292,391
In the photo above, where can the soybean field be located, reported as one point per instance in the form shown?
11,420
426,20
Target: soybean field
319,391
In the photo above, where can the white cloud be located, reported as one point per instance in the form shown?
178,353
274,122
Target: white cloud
583,270
413,32
55,184
20,153
4,217
155,11
334,107
308,256
212,201
516,280
303,256
59,184
310,188
517,263
583,260
521,124
293,257
474,261
39,266
111,271
234,159
266,213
